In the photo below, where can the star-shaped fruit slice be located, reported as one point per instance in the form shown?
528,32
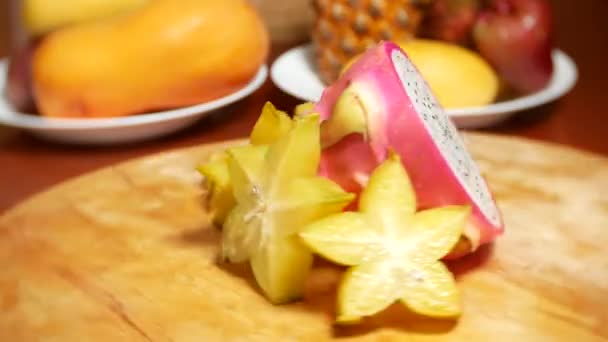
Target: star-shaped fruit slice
393,250
277,191
271,125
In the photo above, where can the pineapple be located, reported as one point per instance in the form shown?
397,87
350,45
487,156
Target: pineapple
345,28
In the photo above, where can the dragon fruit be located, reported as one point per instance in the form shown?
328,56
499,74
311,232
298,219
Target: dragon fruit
381,103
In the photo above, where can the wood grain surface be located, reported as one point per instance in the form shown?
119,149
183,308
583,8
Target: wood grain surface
29,165
127,254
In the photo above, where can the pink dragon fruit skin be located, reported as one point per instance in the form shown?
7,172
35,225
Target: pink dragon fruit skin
403,115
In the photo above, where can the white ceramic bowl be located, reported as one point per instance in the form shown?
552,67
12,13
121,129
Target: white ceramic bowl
117,130
294,73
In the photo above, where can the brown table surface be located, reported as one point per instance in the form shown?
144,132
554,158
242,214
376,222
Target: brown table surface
29,165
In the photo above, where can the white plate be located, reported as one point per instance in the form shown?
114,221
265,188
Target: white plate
117,130
294,73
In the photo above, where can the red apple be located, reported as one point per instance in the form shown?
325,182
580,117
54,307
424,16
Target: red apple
515,36
450,20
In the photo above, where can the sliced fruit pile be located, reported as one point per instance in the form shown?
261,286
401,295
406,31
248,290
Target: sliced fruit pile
275,212
377,135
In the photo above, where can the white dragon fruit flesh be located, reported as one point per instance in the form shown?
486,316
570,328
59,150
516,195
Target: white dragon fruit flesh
382,103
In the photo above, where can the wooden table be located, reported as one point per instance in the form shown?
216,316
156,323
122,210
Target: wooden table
29,165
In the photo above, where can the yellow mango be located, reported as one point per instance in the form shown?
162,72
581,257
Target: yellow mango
41,16
458,77
166,54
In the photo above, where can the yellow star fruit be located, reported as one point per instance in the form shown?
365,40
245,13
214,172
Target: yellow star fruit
393,250
277,192
271,125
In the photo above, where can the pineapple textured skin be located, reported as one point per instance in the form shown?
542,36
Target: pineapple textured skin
346,28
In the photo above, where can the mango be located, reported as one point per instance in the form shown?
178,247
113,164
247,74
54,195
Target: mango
458,77
166,54
42,16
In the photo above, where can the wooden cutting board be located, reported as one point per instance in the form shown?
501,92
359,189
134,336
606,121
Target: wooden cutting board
127,254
